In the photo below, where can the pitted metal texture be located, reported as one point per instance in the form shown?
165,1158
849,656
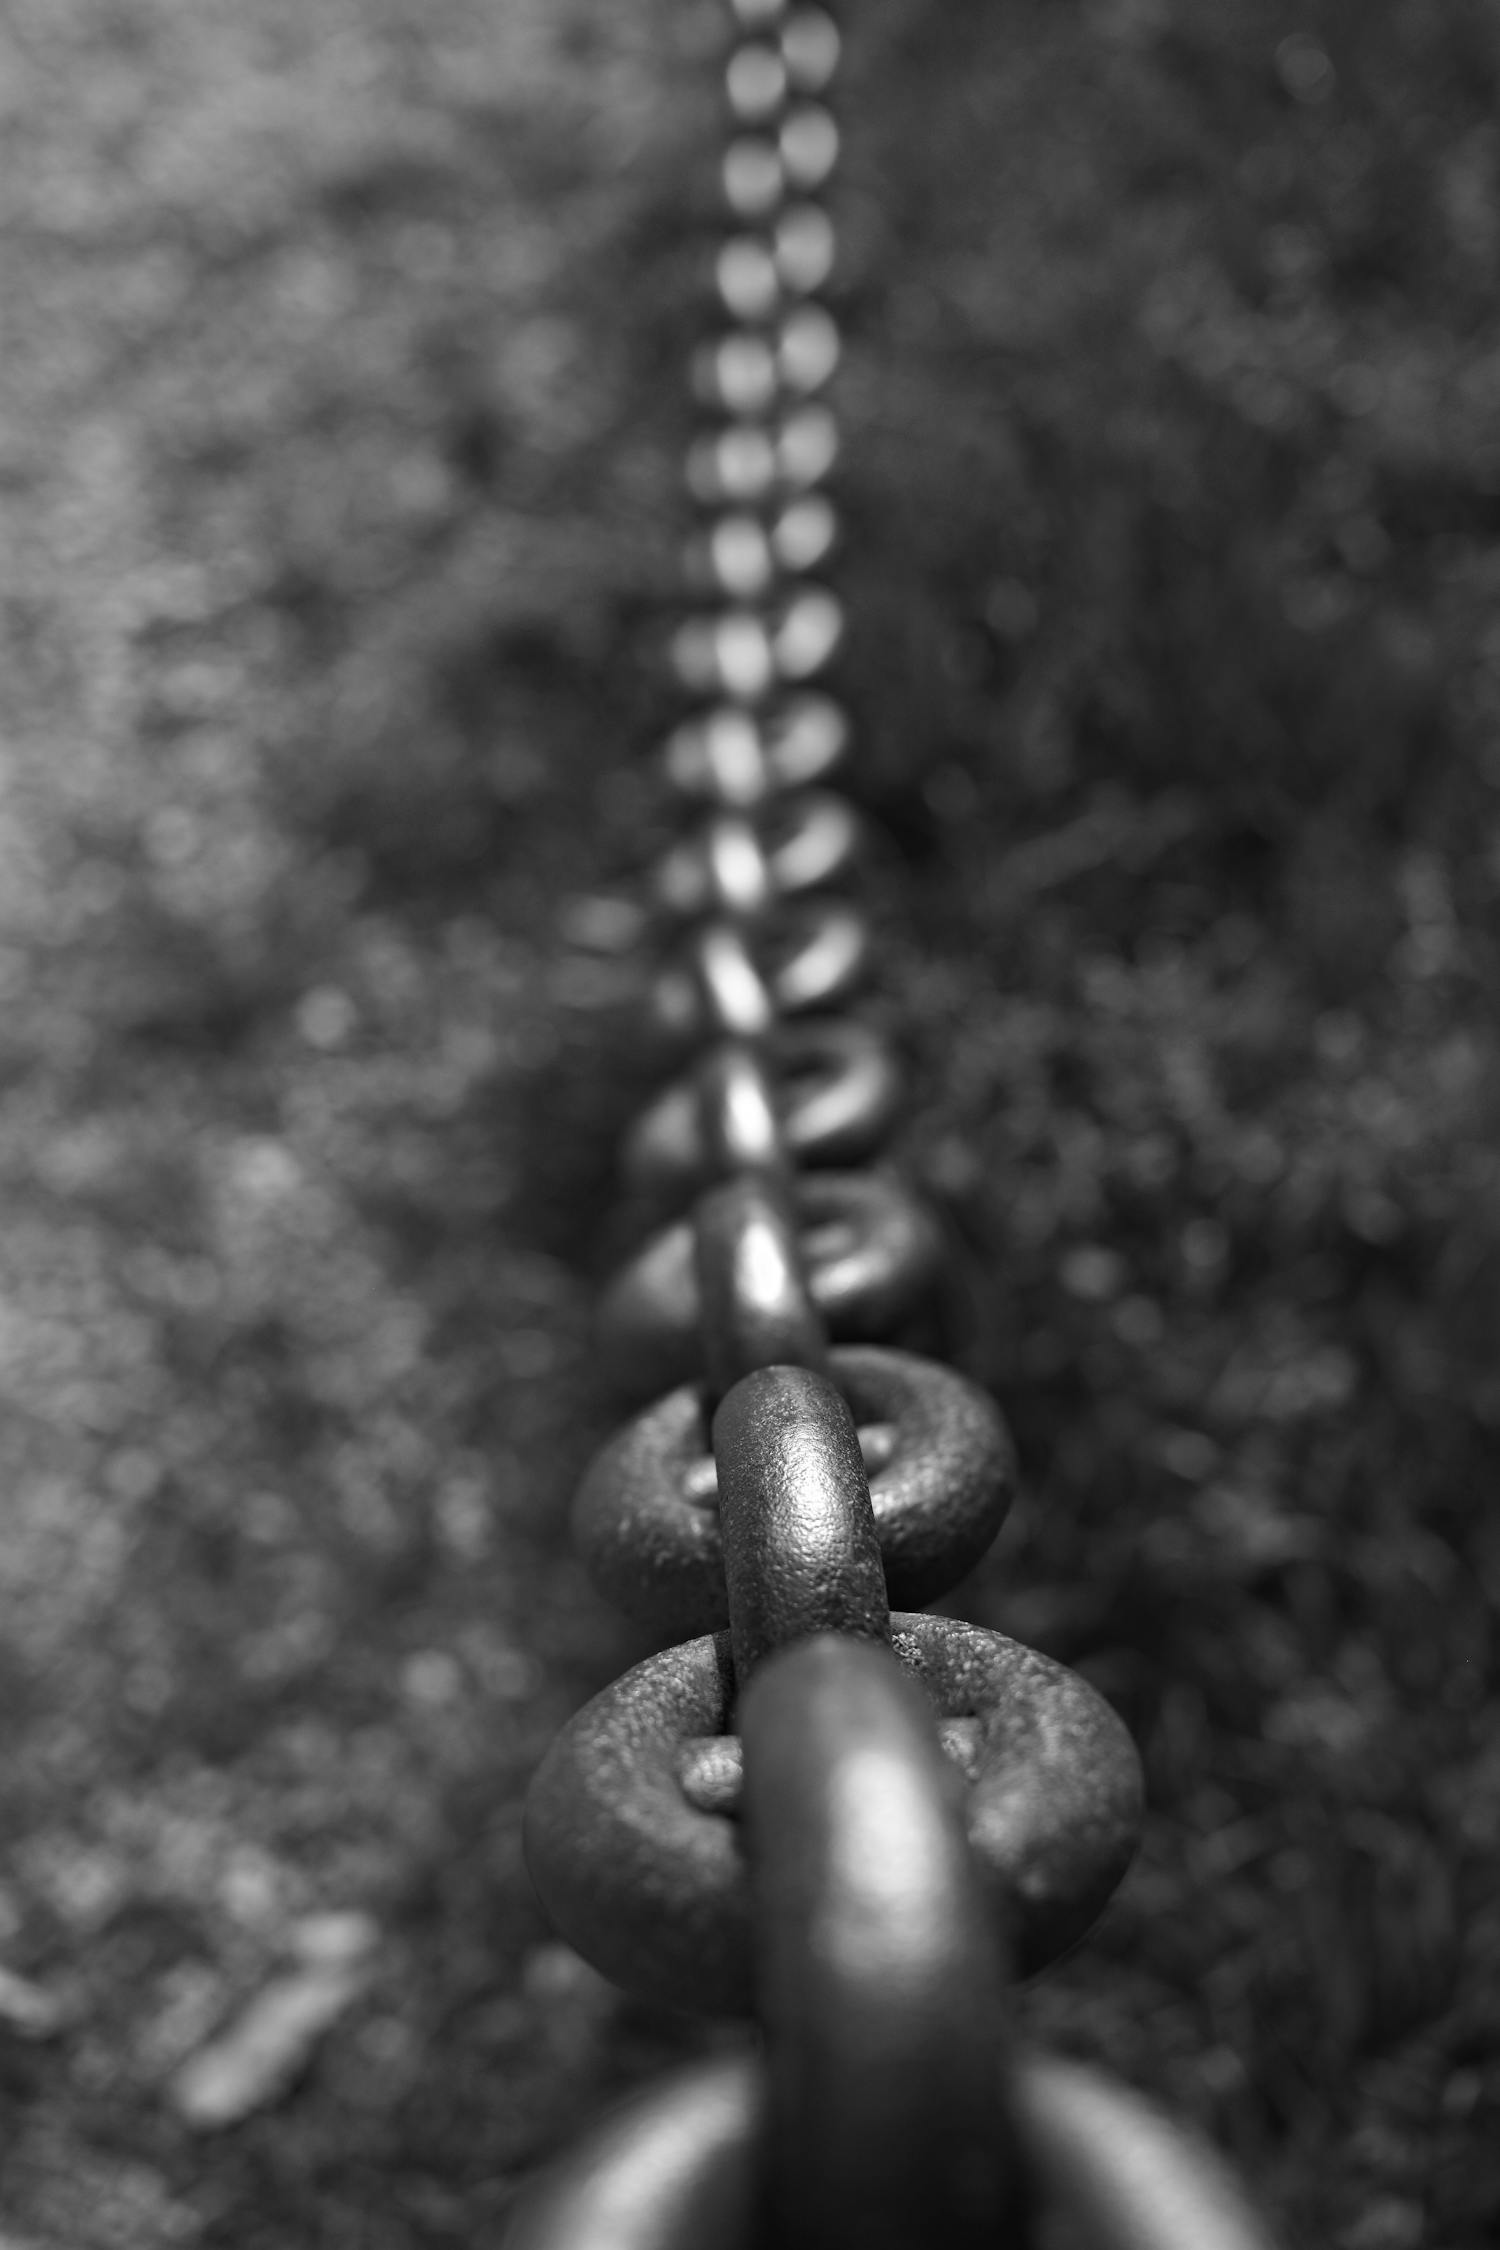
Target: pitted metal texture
654,1890
853,1824
941,1472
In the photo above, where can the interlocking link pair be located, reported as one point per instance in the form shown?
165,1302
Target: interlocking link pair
647,1874
888,1867
852,1824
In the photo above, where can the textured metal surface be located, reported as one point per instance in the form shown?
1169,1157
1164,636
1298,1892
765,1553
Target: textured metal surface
941,1479
1055,1796
917,1807
800,1551
653,1890
946,1483
648,1887
881,1977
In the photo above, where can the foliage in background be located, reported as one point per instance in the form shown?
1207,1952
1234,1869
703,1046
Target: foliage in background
341,409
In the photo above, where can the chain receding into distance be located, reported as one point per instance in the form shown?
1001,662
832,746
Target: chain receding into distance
849,1824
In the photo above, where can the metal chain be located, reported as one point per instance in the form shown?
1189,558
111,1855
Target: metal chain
848,1823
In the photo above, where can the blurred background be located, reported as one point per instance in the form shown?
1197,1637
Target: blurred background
342,410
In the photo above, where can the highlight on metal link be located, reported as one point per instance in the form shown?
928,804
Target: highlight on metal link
850,1824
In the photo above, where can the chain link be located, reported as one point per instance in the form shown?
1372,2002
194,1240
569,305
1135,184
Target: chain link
849,1823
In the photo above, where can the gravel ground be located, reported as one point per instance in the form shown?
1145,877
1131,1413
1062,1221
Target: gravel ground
341,412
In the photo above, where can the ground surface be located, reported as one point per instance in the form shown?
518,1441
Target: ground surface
342,413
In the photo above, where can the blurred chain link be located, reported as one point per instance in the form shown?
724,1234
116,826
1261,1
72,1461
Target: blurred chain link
850,1824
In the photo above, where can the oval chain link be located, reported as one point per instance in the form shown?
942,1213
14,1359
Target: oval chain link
848,1821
